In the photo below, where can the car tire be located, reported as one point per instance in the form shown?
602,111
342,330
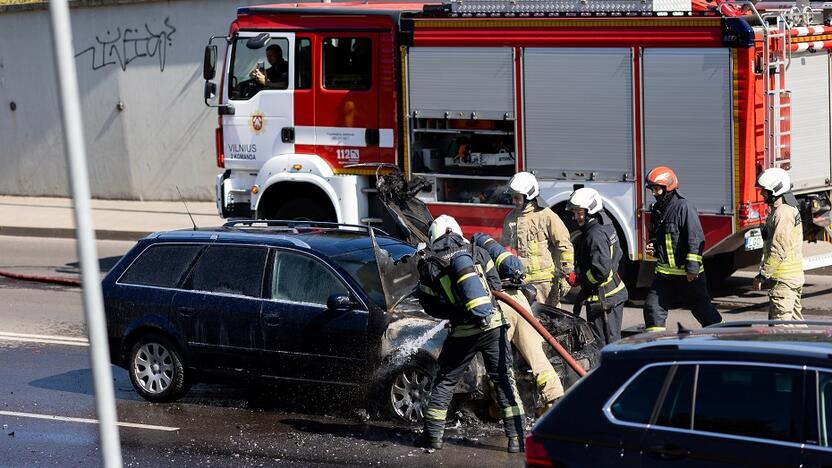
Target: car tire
156,369
406,392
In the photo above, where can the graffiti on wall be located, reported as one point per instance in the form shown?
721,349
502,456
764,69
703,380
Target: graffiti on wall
127,45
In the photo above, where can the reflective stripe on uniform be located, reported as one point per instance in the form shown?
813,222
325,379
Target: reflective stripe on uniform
654,329
671,270
668,244
445,281
543,378
477,302
694,258
567,257
502,257
786,269
533,257
512,411
436,414
489,266
590,277
617,288
541,275
465,277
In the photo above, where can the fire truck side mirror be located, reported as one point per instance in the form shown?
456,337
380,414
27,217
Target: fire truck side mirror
258,41
209,62
210,90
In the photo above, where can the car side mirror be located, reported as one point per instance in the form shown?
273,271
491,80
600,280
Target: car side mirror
209,62
258,41
340,302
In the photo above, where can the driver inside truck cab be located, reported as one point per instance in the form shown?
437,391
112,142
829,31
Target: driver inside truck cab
277,75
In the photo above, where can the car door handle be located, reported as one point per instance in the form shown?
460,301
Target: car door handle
287,134
186,311
669,451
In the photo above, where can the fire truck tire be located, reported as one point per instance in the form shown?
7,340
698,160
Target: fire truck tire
305,209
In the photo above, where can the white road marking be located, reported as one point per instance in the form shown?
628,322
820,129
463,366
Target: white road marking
86,421
49,339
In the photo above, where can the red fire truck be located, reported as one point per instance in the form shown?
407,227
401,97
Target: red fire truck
314,98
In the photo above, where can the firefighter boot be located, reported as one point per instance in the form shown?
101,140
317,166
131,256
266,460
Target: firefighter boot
431,437
429,442
513,426
515,445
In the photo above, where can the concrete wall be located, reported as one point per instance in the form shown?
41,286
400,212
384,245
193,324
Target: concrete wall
147,56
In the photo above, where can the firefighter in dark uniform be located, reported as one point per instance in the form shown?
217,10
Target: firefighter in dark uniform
677,242
454,281
597,253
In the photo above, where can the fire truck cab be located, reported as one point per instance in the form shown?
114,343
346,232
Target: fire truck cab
315,100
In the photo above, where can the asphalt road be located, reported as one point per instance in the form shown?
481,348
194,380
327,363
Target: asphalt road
47,408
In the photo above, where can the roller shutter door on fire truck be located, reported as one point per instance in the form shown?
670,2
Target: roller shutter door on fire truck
454,82
687,109
578,111
808,79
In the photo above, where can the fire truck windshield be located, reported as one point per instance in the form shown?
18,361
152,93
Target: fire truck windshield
253,70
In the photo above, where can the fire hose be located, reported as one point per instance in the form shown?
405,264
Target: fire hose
542,330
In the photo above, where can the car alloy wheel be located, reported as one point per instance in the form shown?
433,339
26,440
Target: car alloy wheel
156,369
153,368
410,393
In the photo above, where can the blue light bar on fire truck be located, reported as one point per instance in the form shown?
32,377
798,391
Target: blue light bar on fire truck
579,7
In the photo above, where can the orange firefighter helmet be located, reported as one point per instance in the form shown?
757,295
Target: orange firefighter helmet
663,176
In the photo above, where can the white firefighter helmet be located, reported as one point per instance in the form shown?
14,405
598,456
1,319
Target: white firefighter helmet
524,183
443,225
775,180
586,198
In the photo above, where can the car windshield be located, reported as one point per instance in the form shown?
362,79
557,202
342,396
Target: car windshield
363,268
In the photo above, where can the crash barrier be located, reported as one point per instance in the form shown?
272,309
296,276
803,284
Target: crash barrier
542,330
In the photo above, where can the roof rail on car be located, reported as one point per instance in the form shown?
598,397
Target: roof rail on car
294,224
751,323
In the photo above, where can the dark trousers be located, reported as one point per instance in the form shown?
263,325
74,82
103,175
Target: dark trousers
671,291
456,355
606,323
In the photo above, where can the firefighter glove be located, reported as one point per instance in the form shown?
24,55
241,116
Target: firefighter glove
572,279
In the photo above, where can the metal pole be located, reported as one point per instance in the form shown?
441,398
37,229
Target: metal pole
91,284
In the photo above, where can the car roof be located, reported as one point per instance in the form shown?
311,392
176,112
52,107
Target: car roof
809,342
328,241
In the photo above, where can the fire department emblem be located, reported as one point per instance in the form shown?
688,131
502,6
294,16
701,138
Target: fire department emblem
257,122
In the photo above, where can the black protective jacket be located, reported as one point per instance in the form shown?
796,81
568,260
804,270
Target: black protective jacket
597,254
432,294
677,236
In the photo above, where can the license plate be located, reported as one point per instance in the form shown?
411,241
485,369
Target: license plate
753,240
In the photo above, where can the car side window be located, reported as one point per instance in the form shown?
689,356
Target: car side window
825,408
230,269
161,265
301,278
753,401
635,404
678,401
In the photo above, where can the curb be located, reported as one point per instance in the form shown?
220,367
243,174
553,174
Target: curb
70,233
41,279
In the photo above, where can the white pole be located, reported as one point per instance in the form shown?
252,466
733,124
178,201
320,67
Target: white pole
91,284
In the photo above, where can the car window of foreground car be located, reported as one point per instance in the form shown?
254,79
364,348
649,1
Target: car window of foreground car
363,268
229,269
161,265
755,401
303,279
